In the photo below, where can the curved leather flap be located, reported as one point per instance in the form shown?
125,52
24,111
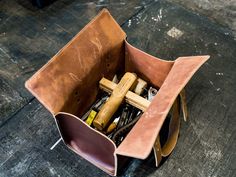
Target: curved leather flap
69,81
87,142
141,138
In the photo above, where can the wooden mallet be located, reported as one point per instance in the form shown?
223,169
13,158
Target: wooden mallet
118,93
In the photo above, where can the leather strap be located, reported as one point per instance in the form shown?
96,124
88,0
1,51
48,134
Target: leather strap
157,151
173,132
183,104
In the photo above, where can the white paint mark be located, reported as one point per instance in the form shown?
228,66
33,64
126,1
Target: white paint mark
5,53
217,89
175,33
144,19
223,105
129,23
159,16
52,170
156,19
139,16
215,43
53,146
211,83
138,7
220,74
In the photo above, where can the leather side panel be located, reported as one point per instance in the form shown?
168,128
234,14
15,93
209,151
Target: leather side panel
149,68
141,138
69,81
88,143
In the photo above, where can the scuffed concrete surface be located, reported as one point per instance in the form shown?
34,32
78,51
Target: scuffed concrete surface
10,100
221,11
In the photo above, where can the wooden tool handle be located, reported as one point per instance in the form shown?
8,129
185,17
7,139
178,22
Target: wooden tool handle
113,103
130,97
111,127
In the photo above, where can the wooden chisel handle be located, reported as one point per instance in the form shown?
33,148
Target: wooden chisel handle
113,103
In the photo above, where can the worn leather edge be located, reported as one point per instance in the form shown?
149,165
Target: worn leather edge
151,56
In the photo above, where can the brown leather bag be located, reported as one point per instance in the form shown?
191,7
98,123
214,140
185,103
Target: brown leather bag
68,85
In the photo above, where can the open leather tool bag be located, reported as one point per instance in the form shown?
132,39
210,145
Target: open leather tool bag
69,84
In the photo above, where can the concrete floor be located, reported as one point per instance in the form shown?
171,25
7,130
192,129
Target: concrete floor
29,37
221,11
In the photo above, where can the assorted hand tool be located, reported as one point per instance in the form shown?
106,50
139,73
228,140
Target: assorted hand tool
95,109
116,115
115,100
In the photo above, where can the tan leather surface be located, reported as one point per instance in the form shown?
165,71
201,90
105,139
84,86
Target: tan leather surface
147,67
69,81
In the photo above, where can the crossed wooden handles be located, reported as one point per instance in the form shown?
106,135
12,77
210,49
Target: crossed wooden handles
120,91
